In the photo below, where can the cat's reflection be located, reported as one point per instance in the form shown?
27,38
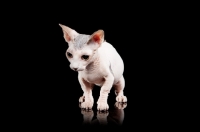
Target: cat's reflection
112,117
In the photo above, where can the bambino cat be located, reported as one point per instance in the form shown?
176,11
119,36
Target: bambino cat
97,63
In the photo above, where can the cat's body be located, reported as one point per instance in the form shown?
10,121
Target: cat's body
109,60
97,63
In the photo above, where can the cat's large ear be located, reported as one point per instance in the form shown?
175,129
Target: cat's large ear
96,39
68,33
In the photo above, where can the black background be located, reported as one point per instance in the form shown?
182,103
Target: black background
49,89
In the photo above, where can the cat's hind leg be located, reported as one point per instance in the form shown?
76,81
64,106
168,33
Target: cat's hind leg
119,87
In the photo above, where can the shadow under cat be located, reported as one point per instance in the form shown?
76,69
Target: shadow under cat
114,116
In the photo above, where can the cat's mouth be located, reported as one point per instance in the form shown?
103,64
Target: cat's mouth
76,69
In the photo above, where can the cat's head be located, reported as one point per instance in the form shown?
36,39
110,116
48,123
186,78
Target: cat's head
81,47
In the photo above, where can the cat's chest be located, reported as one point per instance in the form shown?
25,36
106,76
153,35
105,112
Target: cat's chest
95,77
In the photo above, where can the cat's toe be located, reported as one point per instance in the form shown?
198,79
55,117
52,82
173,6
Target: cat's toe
121,98
87,105
82,99
102,106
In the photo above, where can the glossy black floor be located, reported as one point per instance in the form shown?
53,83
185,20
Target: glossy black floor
53,88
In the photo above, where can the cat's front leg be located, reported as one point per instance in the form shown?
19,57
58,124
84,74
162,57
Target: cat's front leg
86,100
105,90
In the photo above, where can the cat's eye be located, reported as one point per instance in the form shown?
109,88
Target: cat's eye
85,57
69,55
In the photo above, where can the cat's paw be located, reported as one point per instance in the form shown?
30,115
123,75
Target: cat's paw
102,106
87,105
81,99
121,98
120,105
